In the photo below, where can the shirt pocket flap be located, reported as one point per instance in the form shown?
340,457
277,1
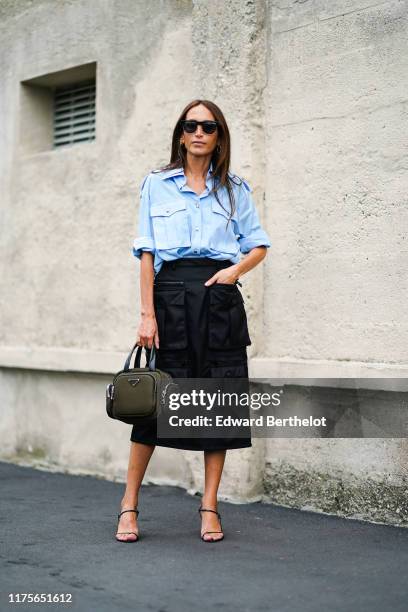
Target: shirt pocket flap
165,209
224,210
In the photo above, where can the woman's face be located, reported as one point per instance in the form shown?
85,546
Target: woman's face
199,143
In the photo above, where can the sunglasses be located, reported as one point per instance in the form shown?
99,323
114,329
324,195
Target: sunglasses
190,126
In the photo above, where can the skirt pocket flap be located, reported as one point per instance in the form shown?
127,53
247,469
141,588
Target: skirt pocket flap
170,313
224,294
220,291
177,297
166,295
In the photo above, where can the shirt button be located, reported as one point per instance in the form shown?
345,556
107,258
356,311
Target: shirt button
197,229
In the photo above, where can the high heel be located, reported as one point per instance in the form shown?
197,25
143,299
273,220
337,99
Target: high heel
203,534
128,532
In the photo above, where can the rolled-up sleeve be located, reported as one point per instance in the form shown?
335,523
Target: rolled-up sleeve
251,234
145,239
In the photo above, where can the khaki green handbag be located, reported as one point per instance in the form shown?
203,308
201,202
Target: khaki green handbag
137,393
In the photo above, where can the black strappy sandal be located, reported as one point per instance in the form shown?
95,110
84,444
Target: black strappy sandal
203,534
126,532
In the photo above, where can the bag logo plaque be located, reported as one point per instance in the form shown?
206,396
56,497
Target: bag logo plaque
133,381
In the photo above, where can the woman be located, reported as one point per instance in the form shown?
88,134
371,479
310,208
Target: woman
195,218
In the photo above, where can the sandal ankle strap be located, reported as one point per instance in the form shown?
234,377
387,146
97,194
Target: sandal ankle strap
208,510
130,510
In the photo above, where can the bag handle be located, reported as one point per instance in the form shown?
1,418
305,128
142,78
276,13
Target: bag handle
150,357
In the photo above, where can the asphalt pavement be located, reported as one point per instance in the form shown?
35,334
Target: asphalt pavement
57,537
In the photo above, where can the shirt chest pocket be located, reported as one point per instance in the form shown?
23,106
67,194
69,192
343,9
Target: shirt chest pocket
223,238
170,225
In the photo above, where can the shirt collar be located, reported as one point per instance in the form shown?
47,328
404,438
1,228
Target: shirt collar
180,177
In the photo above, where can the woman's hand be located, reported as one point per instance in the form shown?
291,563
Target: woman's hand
232,273
148,331
226,276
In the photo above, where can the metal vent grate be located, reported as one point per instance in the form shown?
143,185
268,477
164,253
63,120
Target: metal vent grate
74,113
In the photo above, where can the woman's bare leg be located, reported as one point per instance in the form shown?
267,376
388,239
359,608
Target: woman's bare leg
139,458
213,465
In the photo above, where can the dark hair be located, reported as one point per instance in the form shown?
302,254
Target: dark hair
220,159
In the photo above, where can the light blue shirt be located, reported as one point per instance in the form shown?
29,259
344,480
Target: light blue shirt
175,222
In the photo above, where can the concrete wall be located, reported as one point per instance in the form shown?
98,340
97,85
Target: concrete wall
314,93
336,180
336,284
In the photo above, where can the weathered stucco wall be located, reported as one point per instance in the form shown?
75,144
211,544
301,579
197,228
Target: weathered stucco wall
314,93
71,213
336,181
336,206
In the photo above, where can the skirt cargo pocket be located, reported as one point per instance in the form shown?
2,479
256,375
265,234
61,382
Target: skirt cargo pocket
173,362
169,306
227,320
230,371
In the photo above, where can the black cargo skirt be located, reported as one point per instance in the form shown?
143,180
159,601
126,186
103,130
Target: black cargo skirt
203,333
